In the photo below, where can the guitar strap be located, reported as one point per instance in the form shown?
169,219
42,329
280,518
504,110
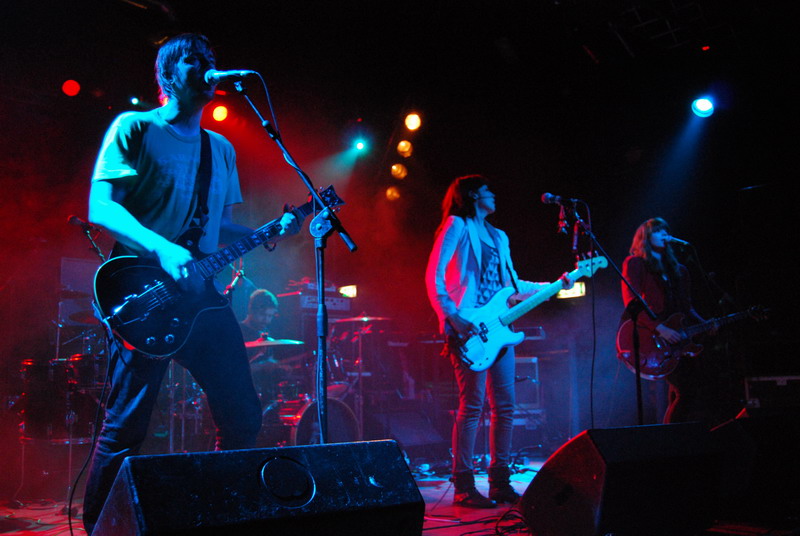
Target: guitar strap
202,183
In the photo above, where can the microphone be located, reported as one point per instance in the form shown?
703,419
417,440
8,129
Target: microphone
550,199
678,241
83,224
213,77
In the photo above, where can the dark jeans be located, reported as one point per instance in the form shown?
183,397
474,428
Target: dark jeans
216,358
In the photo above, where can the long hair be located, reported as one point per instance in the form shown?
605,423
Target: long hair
641,247
171,53
458,200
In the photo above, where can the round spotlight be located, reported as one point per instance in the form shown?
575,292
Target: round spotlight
71,88
392,193
399,171
703,107
405,149
220,113
360,145
413,121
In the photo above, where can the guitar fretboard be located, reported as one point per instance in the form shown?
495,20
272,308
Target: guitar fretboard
215,262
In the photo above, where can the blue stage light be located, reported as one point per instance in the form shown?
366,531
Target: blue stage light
703,107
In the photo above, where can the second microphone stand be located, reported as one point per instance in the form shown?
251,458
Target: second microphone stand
634,307
322,225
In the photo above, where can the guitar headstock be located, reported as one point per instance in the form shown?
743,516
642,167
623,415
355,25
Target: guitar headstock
588,267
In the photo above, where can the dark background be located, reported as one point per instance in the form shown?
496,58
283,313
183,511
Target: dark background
585,99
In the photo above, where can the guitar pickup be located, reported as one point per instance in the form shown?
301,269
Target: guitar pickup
482,332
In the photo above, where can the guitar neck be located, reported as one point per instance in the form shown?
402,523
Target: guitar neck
214,263
536,300
702,327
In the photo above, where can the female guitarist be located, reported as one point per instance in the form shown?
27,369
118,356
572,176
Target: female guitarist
470,262
664,284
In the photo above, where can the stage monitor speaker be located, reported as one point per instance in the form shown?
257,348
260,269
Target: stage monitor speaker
332,489
762,467
658,479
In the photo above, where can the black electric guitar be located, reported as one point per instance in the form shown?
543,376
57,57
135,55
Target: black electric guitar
657,357
151,312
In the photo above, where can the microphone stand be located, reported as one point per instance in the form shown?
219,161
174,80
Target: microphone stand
237,275
322,225
87,230
636,306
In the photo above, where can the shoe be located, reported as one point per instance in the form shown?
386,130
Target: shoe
466,494
500,489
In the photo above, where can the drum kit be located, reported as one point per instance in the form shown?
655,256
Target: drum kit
61,398
59,403
287,385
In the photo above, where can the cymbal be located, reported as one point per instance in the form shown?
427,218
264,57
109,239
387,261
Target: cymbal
83,317
361,319
258,343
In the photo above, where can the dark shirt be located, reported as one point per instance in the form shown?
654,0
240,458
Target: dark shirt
664,296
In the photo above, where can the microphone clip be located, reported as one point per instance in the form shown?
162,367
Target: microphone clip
562,221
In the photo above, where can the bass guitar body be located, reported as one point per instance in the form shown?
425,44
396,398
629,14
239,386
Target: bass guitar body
481,349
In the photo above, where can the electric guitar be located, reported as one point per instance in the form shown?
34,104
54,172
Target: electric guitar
151,312
657,357
478,350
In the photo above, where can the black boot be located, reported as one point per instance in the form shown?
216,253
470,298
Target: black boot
465,493
500,489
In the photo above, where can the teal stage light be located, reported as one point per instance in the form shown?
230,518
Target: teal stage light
703,107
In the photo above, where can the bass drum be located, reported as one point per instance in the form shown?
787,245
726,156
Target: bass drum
294,422
51,408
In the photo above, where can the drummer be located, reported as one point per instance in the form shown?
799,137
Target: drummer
267,372
261,309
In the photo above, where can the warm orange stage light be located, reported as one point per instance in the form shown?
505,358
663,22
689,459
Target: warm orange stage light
220,113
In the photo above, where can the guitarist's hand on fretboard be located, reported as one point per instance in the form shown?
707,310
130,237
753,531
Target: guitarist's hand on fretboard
567,281
289,224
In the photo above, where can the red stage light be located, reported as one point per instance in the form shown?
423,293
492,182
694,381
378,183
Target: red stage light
71,88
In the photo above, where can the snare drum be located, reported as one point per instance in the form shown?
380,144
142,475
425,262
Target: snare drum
295,422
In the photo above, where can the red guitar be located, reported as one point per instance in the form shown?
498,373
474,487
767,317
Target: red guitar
657,357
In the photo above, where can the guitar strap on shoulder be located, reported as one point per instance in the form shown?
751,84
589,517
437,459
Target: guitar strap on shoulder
203,182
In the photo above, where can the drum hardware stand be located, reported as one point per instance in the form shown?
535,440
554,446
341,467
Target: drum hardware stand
322,225
179,392
360,380
69,421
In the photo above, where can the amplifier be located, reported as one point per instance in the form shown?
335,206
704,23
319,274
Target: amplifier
308,300
527,386
297,315
772,391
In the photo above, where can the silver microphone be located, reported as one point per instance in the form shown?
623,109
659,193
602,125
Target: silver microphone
678,241
213,77
550,199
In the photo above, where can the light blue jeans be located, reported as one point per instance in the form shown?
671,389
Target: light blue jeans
472,389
